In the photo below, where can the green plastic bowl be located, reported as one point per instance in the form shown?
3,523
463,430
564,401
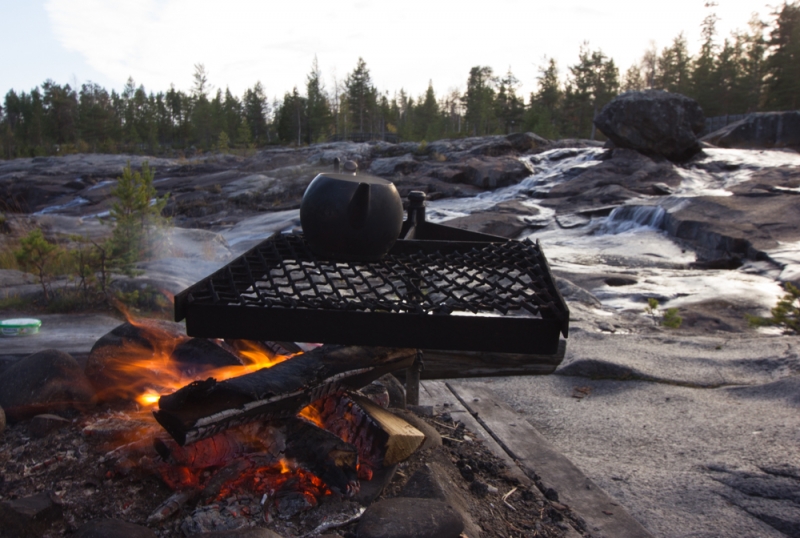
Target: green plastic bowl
19,326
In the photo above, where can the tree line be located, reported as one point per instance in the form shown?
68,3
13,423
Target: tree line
752,70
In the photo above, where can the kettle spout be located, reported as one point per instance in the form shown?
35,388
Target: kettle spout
358,208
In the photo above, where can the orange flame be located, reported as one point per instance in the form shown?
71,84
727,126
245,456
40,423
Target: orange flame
142,369
312,414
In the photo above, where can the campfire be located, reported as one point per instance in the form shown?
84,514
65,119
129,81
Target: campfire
285,425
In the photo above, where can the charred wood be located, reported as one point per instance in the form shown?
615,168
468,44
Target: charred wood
324,454
204,408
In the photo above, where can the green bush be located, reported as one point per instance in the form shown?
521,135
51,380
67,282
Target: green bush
39,256
668,318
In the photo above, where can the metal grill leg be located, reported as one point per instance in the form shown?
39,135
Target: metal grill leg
412,380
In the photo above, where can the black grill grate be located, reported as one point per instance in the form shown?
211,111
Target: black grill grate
434,294
493,278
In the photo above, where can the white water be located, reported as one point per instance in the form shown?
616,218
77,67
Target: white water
630,241
549,169
72,204
737,166
630,217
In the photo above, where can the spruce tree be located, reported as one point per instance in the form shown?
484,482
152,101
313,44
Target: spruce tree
317,107
783,63
136,213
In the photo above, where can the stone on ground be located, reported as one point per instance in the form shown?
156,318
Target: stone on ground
653,122
47,381
41,425
29,516
403,517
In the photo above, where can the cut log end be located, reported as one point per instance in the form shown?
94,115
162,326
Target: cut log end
403,438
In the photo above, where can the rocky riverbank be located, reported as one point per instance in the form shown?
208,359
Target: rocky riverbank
693,429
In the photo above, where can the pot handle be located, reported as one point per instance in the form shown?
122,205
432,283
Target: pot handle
358,208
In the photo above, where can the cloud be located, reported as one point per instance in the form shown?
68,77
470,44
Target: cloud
158,42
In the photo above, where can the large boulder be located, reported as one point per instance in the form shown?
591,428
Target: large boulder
653,122
494,172
390,166
47,381
763,130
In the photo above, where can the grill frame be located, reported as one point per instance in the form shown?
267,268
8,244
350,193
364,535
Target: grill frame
209,316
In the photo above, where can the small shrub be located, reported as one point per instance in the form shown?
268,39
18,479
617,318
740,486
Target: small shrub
37,254
652,309
8,260
785,314
671,318
668,318
14,302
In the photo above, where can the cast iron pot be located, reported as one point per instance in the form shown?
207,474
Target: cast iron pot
351,217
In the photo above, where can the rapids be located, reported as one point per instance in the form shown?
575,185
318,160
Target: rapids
630,241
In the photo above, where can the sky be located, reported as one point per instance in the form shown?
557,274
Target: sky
405,44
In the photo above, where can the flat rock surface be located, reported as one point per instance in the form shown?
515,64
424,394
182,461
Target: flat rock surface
683,459
71,333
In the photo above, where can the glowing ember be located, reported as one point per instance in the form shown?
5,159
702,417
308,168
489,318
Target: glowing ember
312,414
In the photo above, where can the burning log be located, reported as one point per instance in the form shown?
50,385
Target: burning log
381,438
244,450
323,454
204,408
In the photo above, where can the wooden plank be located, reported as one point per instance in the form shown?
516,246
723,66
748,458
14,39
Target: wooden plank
437,395
455,364
527,446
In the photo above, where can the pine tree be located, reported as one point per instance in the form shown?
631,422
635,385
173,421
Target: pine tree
633,80
705,64
783,63
753,66
136,213
593,82
509,108
674,67
361,96
479,100
290,118
544,114
256,109
427,116
318,109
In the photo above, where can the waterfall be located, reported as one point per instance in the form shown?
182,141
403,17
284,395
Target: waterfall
629,217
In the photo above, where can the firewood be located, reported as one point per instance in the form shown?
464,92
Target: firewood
323,454
204,408
403,438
